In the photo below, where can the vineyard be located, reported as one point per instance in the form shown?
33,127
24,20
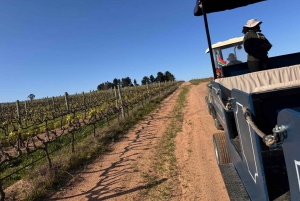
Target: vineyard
30,131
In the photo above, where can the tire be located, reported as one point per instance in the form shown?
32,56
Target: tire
221,151
218,124
208,109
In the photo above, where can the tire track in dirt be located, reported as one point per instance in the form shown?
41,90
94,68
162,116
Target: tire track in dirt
200,176
117,175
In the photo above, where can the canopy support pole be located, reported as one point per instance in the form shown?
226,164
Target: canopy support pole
208,38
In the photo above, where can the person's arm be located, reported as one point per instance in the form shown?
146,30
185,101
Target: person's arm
267,45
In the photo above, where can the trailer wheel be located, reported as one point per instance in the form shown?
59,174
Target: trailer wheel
221,151
218,124
208,109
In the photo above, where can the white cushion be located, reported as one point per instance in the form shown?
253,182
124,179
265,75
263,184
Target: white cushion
259,81
278,86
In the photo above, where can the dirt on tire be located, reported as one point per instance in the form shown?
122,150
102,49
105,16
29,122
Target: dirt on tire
117,174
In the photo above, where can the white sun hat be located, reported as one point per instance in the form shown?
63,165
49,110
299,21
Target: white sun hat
252,23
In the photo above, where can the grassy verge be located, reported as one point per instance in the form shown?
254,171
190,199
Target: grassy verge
164,164
198,81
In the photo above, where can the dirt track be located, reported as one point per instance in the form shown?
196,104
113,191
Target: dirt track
117,175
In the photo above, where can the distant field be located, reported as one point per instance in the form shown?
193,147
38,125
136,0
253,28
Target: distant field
197,81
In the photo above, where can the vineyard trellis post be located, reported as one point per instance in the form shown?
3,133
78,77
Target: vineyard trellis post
83,98
48,101
159,88
121,100
53,104
67,101
25,108
116,96
90,96
18,112
148,90
117,103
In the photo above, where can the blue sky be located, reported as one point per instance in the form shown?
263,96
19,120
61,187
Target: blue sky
51,47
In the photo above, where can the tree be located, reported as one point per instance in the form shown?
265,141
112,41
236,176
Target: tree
126,82
145,80
100,86
135,83
169,76
31,97
115,82
152,79
160,77
105,86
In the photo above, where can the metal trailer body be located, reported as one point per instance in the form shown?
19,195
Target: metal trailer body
251,169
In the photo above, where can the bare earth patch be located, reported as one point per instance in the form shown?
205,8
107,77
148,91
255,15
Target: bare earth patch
122,173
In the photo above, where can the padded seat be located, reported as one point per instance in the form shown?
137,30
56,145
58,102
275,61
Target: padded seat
266,80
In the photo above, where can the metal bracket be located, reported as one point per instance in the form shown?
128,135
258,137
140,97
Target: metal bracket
280,132
229,104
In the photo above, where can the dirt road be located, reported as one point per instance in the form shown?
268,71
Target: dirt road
200,176
120,174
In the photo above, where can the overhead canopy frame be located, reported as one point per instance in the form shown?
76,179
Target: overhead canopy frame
203,7
212,6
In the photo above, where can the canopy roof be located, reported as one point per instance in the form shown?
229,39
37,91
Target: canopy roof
221,5
227,42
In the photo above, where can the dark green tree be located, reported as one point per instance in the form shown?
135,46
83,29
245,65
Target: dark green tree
100,86
169,76
152,79
145,80
126,81
115,82
31,97
160,77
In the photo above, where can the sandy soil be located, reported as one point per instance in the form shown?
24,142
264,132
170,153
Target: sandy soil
117,175
200,176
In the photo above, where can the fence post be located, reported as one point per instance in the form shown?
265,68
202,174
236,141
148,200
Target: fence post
116,96
159,88
83,98
53,104
48,101
25,108
67,101
120,96
90,96
18,112
148,90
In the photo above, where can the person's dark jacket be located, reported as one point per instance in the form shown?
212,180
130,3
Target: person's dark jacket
256,45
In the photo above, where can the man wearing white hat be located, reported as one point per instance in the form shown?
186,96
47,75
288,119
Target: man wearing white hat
256,45
232,60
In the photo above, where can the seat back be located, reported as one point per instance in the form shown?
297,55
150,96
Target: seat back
253,82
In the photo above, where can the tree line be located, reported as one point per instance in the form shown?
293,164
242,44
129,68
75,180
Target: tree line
126,82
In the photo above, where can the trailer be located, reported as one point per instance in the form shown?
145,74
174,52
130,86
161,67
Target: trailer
258,115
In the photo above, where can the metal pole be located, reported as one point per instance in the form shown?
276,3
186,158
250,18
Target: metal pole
202,5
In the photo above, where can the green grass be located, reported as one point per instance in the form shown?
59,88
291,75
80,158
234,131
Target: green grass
164,164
